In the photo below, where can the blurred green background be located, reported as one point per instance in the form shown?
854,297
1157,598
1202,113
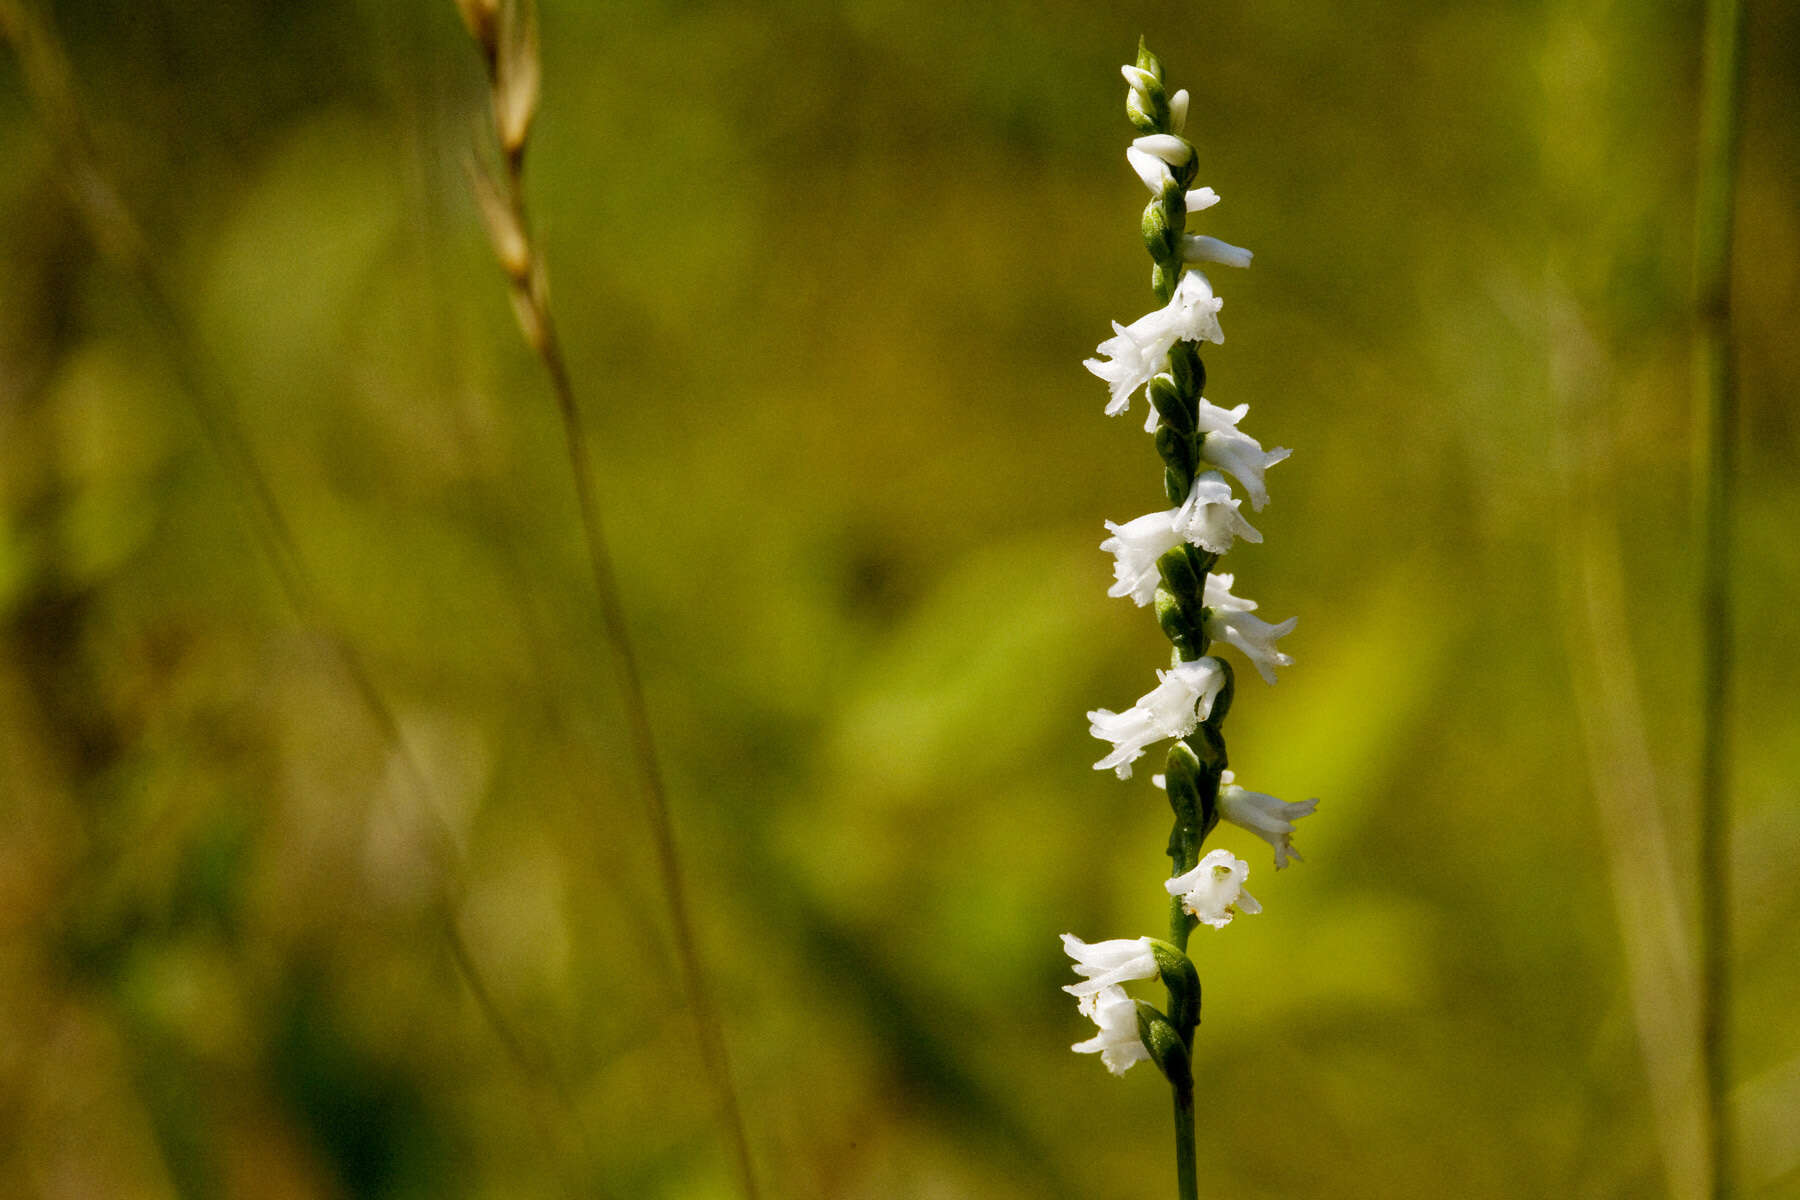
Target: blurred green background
826,274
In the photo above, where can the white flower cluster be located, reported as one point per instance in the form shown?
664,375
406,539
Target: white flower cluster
1104,966
1209,516
1212,892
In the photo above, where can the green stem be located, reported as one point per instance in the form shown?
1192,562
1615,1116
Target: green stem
1717,399
1180,924
1187,1182
1180,602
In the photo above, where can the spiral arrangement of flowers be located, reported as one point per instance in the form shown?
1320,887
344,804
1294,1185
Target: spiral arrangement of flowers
1167,559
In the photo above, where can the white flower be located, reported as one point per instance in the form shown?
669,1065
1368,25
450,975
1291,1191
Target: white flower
1228,620
1214,890
1135,547
1152,170
1171,149
1198,248
1209,516
1103,964
1117,1043
1211,418
1141,349
1156,176
1178,106
1237,453
1183,695
1268,818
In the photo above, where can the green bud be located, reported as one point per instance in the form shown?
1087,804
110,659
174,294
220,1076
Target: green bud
1183,982
1177,571
1173,205
1167,1050
1174,405
1148,62
1176,486
1192,780
1186,368
1177,447
1180,770
1177,450
1164,276
1189,642
1147,107
1207,745
1161,239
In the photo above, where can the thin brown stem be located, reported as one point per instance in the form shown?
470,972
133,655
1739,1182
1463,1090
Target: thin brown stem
1716,393
506,33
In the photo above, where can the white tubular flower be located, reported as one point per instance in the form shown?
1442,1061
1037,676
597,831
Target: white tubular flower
1131,364
1212,418
1239,454
1198,248
1141,349
1228,620
1201,199
1117,1043
1135,547
1104,964
1214,890
1178,108
1183,695
1152,170
1166,146
1209,518
1270,819
1156,175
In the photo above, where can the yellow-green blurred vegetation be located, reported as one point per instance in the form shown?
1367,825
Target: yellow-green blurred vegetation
825,274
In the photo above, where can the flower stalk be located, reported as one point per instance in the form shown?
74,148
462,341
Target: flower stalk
1715,388
1166,560
505,32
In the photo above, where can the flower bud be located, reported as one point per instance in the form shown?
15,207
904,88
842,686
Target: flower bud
1183,982
1164,1045
1192,782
